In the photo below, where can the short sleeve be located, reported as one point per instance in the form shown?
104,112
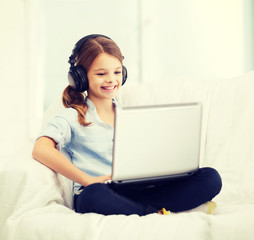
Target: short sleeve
59,130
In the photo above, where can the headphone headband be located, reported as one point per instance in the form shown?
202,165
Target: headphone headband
79,44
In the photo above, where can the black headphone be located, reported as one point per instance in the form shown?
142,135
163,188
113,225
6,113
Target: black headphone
77,75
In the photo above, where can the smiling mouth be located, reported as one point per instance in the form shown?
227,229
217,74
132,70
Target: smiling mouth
109,87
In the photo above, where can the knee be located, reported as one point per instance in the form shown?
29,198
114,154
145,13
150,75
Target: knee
213,179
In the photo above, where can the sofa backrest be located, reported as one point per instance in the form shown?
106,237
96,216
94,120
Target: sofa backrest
227,125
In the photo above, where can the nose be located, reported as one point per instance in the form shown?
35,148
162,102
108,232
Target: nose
110,78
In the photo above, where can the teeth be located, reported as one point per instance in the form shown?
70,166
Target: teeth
109,88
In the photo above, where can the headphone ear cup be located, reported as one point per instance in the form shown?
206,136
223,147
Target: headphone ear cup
83,80
124,74
78,79
73,78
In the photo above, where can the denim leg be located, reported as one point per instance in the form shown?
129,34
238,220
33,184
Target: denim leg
183,194
101,198
176,195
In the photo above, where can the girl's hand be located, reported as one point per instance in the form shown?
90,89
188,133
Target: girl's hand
100,179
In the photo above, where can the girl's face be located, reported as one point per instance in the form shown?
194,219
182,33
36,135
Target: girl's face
104,77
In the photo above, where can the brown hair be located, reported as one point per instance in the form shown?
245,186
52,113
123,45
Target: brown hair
87,54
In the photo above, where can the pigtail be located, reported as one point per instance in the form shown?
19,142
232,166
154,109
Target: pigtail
76,100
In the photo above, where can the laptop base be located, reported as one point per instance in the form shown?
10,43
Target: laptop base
151,181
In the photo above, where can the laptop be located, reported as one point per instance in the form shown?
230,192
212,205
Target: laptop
156,143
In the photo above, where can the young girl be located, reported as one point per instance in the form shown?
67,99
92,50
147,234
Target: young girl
85,131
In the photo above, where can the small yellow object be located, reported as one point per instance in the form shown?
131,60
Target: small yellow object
163,211
211,207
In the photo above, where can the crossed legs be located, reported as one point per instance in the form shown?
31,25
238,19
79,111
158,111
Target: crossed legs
176,195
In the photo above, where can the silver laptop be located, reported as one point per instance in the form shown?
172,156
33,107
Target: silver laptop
156,142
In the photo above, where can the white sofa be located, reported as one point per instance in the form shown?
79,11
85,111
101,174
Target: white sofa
36,202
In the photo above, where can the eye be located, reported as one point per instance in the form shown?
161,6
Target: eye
100,74
117,72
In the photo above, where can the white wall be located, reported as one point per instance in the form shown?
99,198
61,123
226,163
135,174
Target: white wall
160,39
248,15
13,83
198,38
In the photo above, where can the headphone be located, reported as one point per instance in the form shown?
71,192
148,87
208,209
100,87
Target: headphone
77,75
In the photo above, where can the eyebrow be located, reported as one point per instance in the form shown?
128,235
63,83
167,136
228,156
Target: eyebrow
100,69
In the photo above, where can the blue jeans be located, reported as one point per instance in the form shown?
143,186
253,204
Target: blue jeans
175,195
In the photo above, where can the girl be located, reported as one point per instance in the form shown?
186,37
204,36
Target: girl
85,131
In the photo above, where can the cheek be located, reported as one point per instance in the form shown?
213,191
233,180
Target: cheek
92,80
